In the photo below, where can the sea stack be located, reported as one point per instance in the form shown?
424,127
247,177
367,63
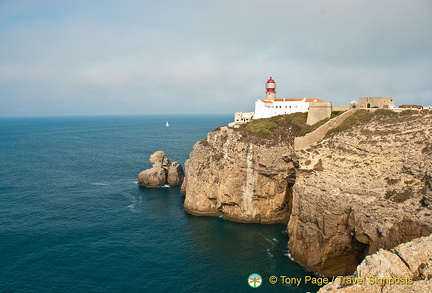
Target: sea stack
162,172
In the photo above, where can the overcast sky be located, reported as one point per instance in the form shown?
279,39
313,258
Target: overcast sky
82,57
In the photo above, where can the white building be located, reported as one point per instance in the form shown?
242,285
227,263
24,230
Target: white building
272,107
266,108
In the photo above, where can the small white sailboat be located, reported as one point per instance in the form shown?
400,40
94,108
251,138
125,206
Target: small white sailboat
167,124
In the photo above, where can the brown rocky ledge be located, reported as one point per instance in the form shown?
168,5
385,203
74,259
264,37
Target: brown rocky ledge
405,268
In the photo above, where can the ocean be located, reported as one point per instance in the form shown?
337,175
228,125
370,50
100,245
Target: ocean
73,219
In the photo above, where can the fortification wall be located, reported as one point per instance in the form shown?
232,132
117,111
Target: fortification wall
376,102
319,133
341,108
318,111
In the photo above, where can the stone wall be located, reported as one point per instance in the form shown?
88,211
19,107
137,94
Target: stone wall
341,108
241,118
316,135
376,102
318,111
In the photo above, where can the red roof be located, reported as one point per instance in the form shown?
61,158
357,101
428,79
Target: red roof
270,80
298,100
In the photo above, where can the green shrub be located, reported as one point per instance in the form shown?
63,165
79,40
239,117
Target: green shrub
408,112
358,116
335,114
277,125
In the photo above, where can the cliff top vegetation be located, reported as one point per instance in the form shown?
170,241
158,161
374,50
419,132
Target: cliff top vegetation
278,125
365,116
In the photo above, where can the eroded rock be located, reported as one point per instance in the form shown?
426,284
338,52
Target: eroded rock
162,172
405,268
361,190
242,178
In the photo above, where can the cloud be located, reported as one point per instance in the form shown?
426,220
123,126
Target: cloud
109,57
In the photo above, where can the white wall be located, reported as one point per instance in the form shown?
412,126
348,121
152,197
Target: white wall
266,110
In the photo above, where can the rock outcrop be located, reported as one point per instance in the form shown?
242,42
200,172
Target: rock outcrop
162,172
241,177
362,189
405,268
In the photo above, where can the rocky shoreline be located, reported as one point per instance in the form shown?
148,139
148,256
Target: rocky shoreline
349,195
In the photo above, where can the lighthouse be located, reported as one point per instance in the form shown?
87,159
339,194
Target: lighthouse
270,89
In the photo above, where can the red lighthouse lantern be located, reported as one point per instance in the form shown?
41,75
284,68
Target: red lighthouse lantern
270,89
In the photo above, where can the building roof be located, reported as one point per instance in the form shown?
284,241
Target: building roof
293,100
270,80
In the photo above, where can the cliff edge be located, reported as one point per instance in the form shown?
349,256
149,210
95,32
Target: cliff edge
239,177
362,189
366,186
405,268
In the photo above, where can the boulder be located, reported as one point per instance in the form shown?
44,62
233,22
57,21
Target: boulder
405,268
162,172
153,177
175,174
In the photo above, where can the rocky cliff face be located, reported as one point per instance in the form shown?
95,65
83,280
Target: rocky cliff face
406,268
363,189
240,177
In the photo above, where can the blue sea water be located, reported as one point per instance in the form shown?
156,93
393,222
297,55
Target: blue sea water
72,218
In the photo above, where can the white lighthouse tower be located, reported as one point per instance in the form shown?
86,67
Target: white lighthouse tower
270,89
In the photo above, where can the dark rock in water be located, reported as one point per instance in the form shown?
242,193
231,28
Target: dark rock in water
162,172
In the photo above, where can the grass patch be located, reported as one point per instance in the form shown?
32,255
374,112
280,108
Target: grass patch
335,114
358,116
408,112
274,126
278,125
363,115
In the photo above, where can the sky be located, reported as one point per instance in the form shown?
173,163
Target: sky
119,57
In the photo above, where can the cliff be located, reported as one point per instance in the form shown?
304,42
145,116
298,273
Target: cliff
405,268
240,177
366,186
362,189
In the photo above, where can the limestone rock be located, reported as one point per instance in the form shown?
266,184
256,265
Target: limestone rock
360,190
175,174
158,159
406,268
363,189
240,177
162,172
153,177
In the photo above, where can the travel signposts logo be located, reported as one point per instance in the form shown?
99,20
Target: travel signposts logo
254,280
